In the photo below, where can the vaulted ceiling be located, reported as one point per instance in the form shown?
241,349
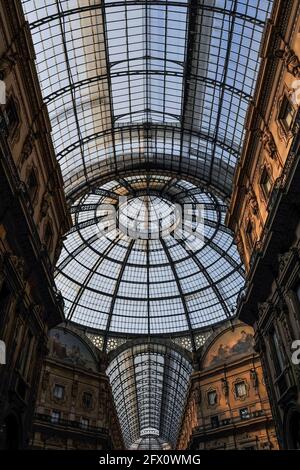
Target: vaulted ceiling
147,98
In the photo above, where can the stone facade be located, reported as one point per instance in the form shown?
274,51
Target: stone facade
75,407
264,213
227,405
33,218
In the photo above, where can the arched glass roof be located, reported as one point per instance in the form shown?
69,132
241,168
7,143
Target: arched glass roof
162,83
147,99
149,384
159,281
142,87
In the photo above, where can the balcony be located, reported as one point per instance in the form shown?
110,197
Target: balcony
229,422
67,425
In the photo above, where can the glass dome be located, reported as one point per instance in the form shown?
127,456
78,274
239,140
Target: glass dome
149,255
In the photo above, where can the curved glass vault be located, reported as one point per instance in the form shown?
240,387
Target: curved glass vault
152,277
149,383
147,99
132,84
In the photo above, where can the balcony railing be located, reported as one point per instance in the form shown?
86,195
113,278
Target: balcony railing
229,421
68,424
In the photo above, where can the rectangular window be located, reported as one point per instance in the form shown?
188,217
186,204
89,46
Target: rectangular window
287,113
32,185
215,421
240,389
84,423
244,413
11,116
55,416
212,397
87,400
59,391
266,183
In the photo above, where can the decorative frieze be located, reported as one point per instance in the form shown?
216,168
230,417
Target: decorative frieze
290,60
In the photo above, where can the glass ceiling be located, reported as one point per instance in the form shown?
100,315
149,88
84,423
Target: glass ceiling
149,384
149,284
135,84
147,98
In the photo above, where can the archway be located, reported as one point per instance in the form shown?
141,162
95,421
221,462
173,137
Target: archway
12,432
292,428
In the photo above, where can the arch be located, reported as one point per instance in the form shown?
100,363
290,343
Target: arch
291,427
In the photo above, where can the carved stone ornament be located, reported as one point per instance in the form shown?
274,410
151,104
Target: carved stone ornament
253,201
225,387
290,60
283,260
19,266
263,307
197,394
27,147
254,378
45,205
268,143
7,62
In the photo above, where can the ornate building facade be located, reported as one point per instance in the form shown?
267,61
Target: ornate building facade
94,109
264,214
75,407
227,406
33,218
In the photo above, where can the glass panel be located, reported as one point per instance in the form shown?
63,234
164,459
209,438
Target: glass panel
108,69
154,283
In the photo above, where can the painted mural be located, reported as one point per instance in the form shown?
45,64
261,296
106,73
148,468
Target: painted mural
230,345
68,348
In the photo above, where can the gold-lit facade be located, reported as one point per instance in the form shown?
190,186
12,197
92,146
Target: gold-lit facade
33,218
227,405
264,213
75,408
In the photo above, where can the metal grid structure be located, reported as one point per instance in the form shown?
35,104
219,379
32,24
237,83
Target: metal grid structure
148,286
149,383
131,84
137,88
